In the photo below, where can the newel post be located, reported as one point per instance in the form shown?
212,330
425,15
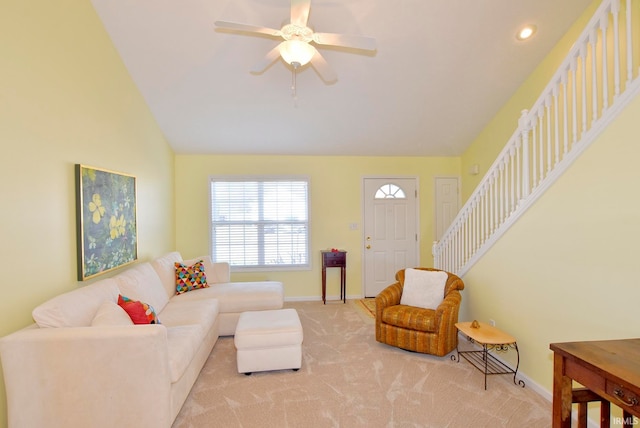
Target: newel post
436,255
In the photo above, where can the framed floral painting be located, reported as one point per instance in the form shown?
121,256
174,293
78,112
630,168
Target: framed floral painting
106,220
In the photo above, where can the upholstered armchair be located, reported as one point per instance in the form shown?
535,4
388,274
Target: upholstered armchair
429,331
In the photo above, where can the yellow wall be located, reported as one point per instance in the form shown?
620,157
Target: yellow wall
66,98
336,184
568,269
565,272
485,148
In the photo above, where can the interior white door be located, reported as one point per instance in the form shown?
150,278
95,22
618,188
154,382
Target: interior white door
390,230
447,203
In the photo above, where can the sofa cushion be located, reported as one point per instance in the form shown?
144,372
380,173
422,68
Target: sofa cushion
139,312
203,313
240,296
76,308
410,317
190,277
423,288
110,314
166,271
217,273
183,343
142,283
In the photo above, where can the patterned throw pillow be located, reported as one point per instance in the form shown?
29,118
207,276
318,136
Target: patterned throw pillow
190,277
139,312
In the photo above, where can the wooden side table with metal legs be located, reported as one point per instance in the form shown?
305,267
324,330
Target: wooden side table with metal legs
491,339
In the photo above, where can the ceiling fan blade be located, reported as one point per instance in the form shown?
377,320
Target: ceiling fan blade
269,59
248,28
300,12
345,41
323,68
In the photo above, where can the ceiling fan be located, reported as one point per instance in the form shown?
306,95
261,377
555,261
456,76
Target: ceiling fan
296,49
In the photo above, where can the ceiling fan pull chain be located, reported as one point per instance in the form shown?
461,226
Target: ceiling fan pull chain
294,83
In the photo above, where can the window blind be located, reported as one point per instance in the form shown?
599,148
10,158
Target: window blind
260,223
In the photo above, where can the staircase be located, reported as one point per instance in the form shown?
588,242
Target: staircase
594,83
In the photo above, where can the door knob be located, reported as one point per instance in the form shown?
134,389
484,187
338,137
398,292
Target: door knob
368,247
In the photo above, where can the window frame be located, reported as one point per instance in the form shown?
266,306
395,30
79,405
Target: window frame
261,178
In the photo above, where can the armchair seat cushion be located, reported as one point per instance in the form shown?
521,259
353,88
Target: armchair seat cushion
410,317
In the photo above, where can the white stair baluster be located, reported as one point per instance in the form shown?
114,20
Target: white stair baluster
547,105
574,101
615,10
593,39
523,125
534,155
477,218
556,125
485,213
518,162
629,44
540,144
605,60
496,202
565,114
583,80
512,176
502,193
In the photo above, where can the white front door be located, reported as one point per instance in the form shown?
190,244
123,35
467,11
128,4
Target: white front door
390,230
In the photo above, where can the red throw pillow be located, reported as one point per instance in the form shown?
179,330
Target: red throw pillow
139,312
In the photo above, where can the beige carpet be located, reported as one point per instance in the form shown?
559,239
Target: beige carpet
347,379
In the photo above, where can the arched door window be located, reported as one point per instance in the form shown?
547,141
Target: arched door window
389,191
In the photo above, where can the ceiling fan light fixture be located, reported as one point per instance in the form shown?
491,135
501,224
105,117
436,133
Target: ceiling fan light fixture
296,51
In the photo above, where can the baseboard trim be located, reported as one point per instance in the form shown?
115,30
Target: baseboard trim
335,298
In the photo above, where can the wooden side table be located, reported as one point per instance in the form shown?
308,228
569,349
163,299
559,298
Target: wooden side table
334,259
491,339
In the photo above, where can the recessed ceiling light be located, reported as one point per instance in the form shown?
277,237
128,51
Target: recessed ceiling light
526,32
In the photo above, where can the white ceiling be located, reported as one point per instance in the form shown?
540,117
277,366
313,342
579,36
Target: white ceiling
442,70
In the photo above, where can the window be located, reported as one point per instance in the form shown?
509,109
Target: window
389,191
259,223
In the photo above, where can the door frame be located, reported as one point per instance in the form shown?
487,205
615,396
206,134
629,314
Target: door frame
416,179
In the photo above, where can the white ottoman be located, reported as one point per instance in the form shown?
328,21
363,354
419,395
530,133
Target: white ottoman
268,340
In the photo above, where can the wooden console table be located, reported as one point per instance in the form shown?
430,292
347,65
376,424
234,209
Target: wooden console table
608,368
334,259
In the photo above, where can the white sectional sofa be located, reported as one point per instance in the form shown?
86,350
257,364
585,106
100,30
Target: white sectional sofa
85,364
